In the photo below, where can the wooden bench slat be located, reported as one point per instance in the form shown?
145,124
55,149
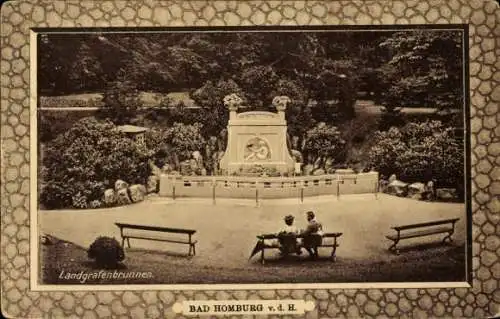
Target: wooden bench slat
156,228
406,231
421,233
427,224
128,231
162,239
154,234
331,235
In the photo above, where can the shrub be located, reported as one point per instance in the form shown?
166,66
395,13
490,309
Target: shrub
419,152
87,159
79,200
106,251
324,142
175,144
95,204
52,123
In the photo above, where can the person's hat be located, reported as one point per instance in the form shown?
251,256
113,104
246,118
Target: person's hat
310,213
289,218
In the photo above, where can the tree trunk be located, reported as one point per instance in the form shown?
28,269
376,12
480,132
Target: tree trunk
177,162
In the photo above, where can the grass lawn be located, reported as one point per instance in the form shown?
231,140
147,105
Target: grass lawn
226,234
432,262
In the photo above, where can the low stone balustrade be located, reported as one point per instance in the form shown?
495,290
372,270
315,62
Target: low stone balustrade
175,186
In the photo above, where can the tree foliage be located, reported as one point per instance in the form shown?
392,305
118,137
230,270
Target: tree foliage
121,102
256,61
209,97
424,69
324,142
419,152
322,73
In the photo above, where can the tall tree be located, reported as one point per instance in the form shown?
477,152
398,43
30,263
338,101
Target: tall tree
210,97
428,68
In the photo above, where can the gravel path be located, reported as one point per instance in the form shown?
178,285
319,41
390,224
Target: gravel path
226,231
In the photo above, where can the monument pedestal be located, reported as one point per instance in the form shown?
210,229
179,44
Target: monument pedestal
257,139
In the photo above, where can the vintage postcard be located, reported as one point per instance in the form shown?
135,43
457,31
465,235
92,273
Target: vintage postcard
249,156
318,159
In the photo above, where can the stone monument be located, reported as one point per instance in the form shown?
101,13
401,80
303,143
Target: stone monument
256,138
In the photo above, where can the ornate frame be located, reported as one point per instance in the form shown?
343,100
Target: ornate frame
482,299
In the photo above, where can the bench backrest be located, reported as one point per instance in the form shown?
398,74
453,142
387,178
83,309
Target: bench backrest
427,224
287,240
156,228
275,236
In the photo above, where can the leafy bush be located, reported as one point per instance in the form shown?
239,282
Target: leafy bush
324,142
106,251
419,152
95,204
52,123
175,144
87,159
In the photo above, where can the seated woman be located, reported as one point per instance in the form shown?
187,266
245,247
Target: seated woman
287,237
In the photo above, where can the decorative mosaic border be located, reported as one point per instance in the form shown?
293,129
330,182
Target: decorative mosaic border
18,17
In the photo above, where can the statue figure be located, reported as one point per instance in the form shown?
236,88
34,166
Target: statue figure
280,102
232,102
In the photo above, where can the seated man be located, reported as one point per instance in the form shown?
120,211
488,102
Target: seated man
312,235
287,237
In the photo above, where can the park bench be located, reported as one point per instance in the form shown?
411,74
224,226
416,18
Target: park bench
421,230
324,243
157,233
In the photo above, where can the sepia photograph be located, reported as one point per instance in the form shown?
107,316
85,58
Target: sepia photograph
249,156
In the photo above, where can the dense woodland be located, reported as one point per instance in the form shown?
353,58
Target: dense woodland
418,68
324,74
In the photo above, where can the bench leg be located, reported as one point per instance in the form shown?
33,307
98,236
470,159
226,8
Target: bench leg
334,256
262,256
123,242
128,242
448,237
393,247
192,249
